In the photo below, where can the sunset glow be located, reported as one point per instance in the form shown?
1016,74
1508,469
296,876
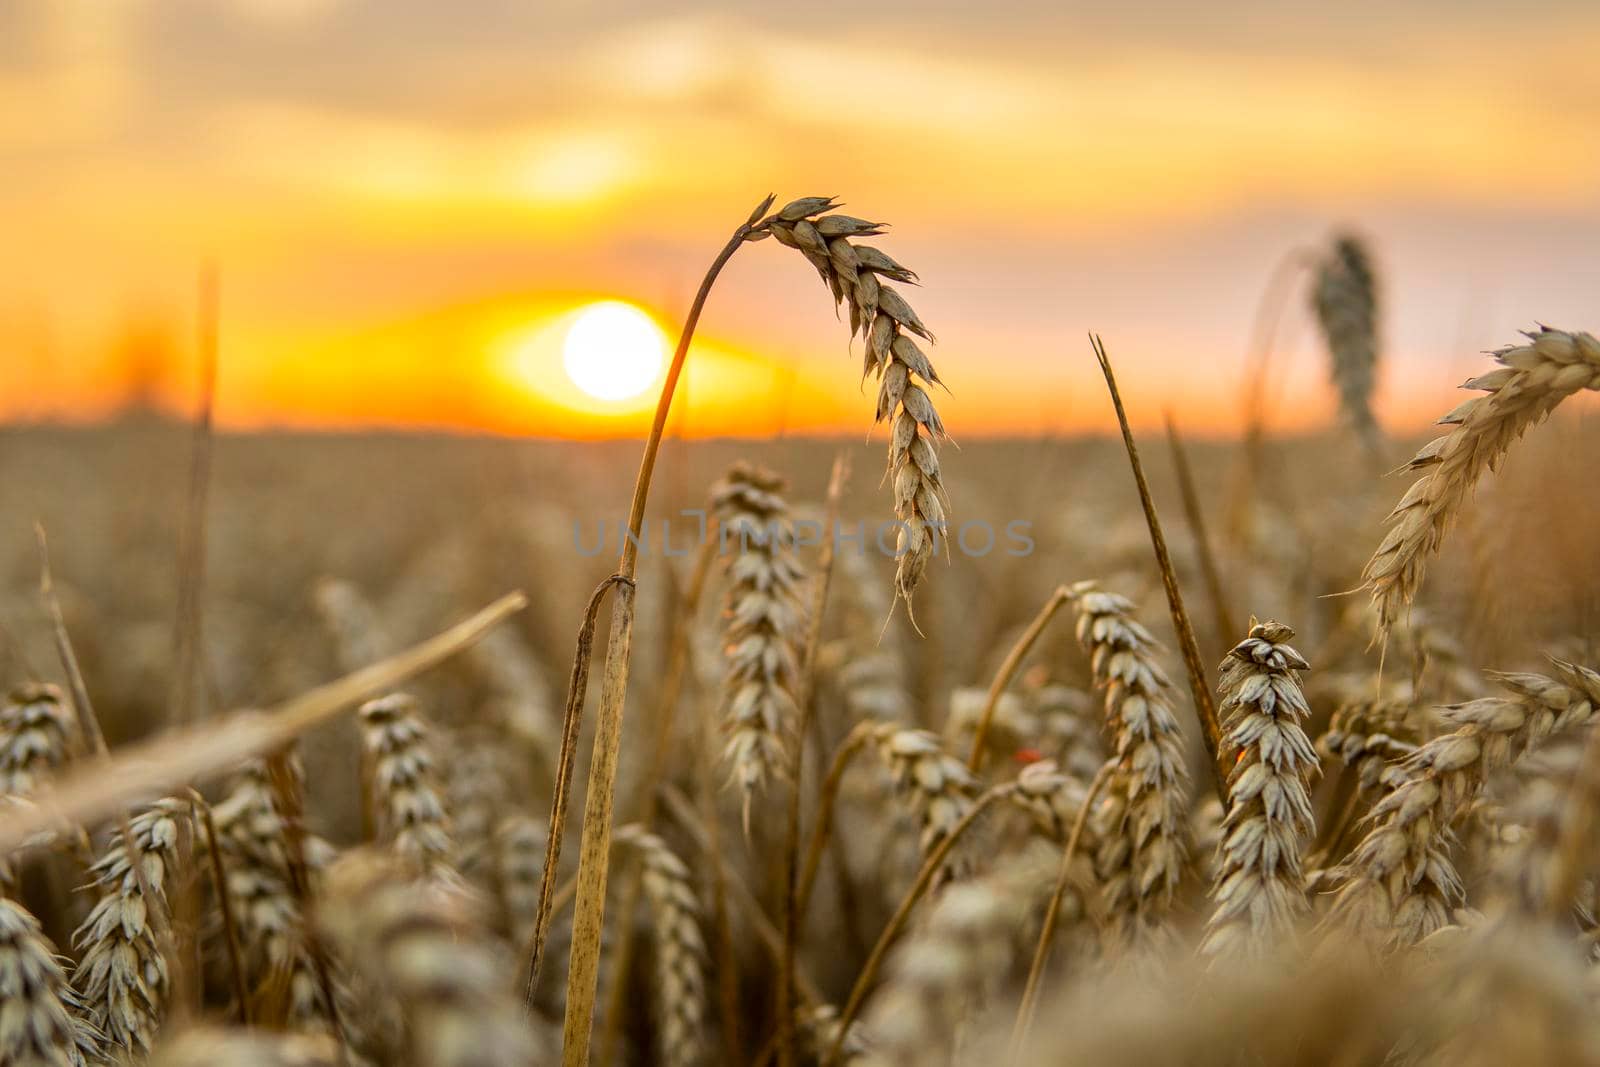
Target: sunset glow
401,225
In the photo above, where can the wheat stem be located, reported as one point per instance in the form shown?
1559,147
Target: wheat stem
1008,670
1199,688
594,847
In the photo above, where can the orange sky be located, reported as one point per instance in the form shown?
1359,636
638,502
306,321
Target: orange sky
399,191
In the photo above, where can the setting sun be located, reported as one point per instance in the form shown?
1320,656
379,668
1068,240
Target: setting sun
613,351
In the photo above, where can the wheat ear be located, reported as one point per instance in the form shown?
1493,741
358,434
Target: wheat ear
936,785
878,312
764,624
1260,891
122,974
519,844
43,1023
1532,380
1399,883
36,735
418,941
251,834
1143,821
958,956
680,949
1345,298
408,809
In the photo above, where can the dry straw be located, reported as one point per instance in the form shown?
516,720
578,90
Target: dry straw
42,1021
1532,380
1346,302
1260,892
854,274
764,624
1399,883
1142,823
122,973
680,949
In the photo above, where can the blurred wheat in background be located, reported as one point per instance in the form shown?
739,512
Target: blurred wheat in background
950,756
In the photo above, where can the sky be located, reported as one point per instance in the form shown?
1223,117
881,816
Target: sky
405,198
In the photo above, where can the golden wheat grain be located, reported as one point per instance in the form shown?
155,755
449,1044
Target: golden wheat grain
1259,891
886,322
1143,821
764,624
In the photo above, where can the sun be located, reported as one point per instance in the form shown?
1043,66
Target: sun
613,351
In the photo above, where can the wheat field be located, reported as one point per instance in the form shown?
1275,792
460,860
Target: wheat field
1237,752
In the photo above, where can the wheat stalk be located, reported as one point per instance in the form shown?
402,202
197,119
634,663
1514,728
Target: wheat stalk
764,625
1345,298
1260,889
418,941
680,949
1142,823
122,974
43,1022
1399,883
408,809
1532,380
36,736
886,323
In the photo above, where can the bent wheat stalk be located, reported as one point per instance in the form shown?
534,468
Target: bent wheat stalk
806,225
594,847
1532,380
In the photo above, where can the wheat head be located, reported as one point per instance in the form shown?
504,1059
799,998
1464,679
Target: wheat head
1259,891
1532,380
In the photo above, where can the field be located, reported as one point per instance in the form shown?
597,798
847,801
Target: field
1404,875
